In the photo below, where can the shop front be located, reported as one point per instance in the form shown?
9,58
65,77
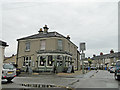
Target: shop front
47,61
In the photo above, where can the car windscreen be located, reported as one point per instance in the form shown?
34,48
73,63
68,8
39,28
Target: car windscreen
118,64
8,66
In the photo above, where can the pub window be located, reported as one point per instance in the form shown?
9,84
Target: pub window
50,60
42,45
42,61
27,46
69,47
27,61
24,61
60,45
59,57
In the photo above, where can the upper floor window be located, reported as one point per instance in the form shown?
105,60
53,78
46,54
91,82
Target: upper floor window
60,44
27,46
69,47
42,45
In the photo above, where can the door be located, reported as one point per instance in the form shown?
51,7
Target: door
59,66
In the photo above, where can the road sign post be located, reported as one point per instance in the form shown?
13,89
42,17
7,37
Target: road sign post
82,48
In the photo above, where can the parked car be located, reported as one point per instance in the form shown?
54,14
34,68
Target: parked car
117,70
112,70
93,68
8,71
18,71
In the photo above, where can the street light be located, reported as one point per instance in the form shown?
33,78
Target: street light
82,49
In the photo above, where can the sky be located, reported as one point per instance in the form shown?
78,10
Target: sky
95,22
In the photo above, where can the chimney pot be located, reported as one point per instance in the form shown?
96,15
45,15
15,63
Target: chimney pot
40,31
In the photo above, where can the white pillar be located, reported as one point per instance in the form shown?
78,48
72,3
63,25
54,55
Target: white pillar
1,62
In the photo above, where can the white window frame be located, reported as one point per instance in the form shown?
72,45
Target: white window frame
29,60
60,44
47,61
27,46
39,61
42,44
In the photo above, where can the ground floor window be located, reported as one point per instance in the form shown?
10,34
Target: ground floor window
27,61
50,60
68,61
24,62
42,61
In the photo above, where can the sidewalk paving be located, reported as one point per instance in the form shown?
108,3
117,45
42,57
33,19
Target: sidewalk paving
69,74
65,75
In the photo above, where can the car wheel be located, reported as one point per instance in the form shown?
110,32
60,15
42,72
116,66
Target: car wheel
116,77
9,80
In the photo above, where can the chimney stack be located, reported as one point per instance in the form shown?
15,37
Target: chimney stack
68,37
45,29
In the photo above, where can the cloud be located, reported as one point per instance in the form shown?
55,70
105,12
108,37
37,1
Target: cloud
95,23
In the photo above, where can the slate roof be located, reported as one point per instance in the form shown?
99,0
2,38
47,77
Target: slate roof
116,54
43,35
2,43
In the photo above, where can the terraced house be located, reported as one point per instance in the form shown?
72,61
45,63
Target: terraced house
2,48
44,50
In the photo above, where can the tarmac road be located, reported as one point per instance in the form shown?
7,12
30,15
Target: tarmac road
93,79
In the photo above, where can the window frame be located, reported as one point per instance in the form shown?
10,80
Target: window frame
27,46
49,60
39,60
42,44
60,44
27,59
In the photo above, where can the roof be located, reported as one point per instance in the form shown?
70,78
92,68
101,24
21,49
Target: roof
5,58
117,54
44,35
2,43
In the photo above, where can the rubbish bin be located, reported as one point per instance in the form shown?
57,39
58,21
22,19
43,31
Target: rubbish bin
105,68
88,68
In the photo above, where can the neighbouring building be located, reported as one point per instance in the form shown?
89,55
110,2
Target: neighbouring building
44,50
11,59
2,47
104,60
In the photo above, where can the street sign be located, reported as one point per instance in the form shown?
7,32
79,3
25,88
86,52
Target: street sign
82,55
82,47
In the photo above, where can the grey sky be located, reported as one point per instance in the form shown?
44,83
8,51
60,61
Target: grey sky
95,23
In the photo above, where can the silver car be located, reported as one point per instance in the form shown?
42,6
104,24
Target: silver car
8,71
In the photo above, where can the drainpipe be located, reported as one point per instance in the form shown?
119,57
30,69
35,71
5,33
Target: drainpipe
77,61
17,53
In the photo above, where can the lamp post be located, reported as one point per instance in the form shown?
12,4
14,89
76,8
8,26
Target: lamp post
82,49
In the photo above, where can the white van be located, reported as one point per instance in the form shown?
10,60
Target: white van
8,71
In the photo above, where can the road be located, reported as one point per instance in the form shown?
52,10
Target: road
93,79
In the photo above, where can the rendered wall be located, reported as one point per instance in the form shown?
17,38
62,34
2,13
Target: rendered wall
1,61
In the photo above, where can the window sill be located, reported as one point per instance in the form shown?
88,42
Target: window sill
27,50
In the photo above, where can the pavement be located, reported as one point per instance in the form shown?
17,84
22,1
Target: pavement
66,75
